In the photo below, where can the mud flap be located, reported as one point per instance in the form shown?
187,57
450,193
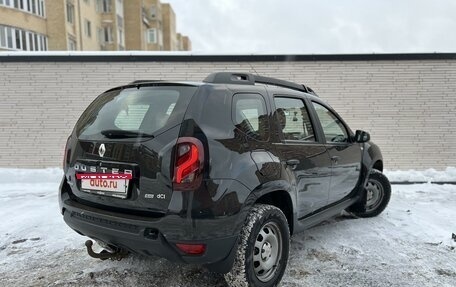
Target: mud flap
226,264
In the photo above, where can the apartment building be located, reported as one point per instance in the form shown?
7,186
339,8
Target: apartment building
23,25
89,25
156,23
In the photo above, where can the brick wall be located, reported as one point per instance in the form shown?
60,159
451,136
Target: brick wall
408,106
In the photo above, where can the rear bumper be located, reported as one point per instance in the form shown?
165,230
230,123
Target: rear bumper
147,236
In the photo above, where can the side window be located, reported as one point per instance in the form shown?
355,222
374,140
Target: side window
250,115
333,129
294,119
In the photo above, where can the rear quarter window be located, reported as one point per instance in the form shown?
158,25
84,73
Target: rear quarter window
250,115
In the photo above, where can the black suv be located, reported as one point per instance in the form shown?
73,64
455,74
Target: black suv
218,173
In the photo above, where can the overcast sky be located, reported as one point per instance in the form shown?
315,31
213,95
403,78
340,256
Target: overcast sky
318,26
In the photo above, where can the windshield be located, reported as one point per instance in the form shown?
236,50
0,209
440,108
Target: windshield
143,112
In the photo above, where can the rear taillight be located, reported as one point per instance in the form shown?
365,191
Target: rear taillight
188,165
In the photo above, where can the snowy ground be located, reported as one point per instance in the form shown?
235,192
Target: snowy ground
429,175
408,245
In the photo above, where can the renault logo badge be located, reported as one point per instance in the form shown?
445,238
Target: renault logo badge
101,150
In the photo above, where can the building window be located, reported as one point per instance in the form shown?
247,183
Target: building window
72,44
19,39
160,37
106,35
31,43
2,36
88,28
120,37
104,6
70,12
99,34
152,36
43,11
87,2
9,38
119,8
24,40
153,11
32,6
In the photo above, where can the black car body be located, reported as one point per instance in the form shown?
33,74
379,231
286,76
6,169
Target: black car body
201,156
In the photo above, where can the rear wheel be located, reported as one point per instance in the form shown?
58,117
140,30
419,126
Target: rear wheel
262,251
378,194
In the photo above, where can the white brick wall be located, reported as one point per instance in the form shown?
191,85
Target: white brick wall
408,106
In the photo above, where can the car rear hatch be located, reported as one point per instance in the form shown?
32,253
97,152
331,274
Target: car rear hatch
128,134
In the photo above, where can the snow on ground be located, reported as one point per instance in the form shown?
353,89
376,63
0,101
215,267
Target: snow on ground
408,245
429,175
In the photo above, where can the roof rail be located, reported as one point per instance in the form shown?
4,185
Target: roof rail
250,79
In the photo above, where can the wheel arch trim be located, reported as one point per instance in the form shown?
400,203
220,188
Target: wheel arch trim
267,193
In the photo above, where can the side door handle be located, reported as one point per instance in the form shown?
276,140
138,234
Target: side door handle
335,159
293,162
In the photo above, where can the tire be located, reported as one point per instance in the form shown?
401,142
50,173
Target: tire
378,195
263,224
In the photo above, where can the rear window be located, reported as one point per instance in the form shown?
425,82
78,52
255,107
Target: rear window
147,110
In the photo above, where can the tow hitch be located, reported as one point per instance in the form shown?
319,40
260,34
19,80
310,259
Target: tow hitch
114,254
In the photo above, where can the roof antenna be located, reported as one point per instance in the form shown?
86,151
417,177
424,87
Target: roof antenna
251,66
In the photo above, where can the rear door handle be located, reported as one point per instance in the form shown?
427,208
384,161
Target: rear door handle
293,162
335,159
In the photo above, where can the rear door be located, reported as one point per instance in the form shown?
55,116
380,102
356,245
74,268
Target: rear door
129,131
345,154
305,159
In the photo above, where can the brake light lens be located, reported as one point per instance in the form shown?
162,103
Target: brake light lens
188,164
192,249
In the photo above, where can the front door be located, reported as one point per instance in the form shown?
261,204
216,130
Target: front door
345,154
306,161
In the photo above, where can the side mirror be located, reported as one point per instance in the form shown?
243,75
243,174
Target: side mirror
362,136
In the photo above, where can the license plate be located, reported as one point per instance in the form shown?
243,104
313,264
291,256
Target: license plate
111,185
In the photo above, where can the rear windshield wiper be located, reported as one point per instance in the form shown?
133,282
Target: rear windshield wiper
125,134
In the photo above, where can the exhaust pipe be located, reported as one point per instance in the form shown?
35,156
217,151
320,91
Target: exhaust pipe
114,254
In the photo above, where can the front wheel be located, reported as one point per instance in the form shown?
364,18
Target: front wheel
262,251
378,194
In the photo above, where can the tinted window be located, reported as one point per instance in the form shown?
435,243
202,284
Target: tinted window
294,119
144,110
333,129
250,115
